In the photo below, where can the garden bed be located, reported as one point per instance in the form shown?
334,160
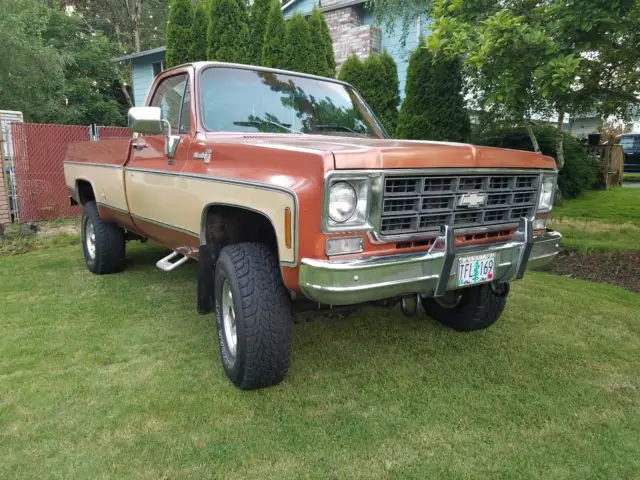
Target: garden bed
616,267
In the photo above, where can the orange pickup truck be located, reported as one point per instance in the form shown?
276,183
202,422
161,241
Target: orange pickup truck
288,191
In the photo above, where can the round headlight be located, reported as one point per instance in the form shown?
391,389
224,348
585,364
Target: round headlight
342,202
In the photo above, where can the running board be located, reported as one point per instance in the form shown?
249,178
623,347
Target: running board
167,264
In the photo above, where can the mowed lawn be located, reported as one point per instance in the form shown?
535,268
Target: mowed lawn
118,377
601,220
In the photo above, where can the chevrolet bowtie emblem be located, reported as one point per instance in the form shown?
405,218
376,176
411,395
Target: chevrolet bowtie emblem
472,200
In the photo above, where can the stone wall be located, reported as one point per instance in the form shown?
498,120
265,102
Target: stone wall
348,33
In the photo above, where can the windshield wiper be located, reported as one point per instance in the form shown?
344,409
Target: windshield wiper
259,123
337,128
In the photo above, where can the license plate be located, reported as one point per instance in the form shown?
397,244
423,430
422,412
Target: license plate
476,269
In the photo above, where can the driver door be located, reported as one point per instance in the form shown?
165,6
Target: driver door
152,177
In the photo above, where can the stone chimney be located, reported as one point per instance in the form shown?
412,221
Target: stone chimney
349,35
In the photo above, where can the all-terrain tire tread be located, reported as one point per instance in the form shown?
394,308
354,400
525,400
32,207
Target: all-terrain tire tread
266,311
110,243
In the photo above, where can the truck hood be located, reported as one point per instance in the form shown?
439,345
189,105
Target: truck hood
370,153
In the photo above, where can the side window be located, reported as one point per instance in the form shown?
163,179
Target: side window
169,97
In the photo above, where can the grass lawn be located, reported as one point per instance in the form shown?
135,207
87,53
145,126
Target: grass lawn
118,377
632,177
601,220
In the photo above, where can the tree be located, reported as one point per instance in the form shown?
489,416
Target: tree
325,64
554,56
54,69
388,97
376,79
199,31
179,32
259,15
227,33
273,50
300,55
434,107
352,71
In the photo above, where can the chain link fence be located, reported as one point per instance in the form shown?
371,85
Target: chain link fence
39,189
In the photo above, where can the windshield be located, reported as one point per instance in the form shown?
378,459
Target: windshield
241,100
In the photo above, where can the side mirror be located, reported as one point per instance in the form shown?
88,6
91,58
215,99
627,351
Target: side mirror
146,120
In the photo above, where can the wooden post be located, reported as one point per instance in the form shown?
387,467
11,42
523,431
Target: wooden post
5,211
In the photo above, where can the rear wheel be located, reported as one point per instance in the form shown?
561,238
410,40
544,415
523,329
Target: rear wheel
253,316
469,309
103,243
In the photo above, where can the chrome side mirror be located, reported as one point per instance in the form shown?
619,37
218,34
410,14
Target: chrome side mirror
146,120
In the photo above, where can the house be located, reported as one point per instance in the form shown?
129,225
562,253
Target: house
353,26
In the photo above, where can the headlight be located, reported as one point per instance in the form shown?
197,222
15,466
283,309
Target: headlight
347,202
342,202
547,192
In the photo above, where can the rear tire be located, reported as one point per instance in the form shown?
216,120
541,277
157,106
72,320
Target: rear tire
103,243
469,309
253,316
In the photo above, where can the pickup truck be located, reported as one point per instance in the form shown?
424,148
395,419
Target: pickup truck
288,192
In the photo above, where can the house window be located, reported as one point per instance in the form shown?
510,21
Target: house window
158,67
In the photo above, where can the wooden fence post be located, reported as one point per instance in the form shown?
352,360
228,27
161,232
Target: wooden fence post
5,212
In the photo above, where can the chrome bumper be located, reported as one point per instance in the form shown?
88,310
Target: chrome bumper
431,274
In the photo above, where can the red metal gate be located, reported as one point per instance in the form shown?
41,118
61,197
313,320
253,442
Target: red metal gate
38,161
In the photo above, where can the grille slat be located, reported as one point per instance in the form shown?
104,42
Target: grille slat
424,204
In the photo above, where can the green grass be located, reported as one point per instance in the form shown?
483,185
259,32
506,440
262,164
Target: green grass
600,220
118,377
632,177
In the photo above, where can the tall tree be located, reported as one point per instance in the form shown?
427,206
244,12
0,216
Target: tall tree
556,56
300,55
273,50
388,97
179,32
325,63
199,28
227,32
434,107
259,15
352,71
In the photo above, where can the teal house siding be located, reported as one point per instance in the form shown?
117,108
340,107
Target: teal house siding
144,67
301,6
399,43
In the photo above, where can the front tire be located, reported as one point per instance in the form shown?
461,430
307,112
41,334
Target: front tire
253,316
103,243
469,309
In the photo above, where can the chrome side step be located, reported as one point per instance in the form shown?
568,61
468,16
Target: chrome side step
169,263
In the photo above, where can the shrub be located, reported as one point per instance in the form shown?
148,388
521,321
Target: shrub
179,32
434,107
580,170
352,71
325,64
199,28
259,15
228,32
376,79
300,55
273,51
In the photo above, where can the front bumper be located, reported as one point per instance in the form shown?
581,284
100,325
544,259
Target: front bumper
430,274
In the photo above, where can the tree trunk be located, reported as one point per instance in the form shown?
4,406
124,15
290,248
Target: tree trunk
532,136
125,92
560,139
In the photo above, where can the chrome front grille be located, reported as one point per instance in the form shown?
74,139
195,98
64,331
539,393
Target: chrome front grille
424,204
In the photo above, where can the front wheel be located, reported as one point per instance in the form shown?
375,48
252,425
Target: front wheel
469,309
253,316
